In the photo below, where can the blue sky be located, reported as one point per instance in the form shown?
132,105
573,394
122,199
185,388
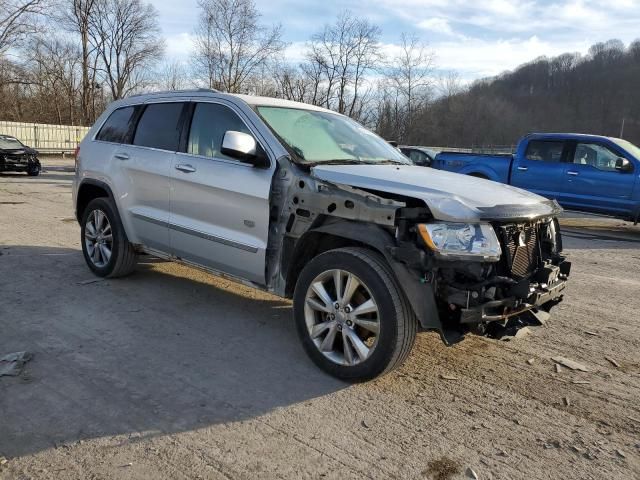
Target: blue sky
475,38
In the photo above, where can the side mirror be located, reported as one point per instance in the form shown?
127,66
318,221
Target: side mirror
243,147
624,165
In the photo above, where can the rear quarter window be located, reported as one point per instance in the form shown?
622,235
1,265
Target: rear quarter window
544,150
116,128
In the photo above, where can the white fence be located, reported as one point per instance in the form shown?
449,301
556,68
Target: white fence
45,138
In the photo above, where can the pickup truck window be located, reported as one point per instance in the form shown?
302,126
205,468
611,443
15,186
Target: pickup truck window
209,124
598,156
544,151
318,137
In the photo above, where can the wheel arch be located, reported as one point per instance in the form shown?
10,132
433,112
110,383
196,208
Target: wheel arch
333,234
336,233
88,190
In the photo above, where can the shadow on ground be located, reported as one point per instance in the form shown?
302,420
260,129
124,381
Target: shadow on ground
167,349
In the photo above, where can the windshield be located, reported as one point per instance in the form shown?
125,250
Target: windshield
9,143
629,147
322,137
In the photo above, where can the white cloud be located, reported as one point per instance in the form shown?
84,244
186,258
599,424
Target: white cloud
180,45
439,25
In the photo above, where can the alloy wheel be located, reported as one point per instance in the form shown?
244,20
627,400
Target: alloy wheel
342,317
98,238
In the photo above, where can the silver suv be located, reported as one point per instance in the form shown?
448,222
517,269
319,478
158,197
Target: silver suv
308,204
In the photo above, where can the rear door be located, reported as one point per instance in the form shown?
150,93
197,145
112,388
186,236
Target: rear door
143,169
540,169
219,205
593,183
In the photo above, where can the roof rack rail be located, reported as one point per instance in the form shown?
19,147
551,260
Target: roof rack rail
189,90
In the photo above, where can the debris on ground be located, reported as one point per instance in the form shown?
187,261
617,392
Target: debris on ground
11,364
3,461
558,368
581,382
470,473
566,401
448,377
442,468
530,361
613,362
91,280
620,453
523,332
593,334
570,364
364,424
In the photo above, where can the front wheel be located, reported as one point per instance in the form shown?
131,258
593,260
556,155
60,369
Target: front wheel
351,315
34,170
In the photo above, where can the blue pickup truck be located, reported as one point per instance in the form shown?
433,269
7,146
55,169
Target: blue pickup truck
582,172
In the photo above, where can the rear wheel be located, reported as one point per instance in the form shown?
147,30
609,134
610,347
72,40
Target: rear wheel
105,246
352,317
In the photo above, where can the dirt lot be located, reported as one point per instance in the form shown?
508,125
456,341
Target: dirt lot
172,373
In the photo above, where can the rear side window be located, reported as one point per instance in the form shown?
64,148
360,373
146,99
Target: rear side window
159,126
209,124
117,126
544,151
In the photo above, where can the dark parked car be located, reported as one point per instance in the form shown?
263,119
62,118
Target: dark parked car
421,156
17,157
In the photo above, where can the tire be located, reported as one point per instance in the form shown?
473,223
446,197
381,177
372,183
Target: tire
396,322
33,170
122,258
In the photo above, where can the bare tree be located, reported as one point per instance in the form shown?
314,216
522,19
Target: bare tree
55,77
345,52
232,45
77,18
17,19
126,36
172,75
409,77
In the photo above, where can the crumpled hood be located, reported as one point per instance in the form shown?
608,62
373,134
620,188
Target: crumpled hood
449,196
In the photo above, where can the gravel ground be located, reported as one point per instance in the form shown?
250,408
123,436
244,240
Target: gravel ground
173,373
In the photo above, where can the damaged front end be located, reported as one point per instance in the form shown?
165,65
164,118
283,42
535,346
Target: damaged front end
511,281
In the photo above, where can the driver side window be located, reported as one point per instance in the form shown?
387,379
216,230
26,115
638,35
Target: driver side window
208,126
595,155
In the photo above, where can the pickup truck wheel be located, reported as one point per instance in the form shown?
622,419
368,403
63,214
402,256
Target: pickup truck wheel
351,315
105,246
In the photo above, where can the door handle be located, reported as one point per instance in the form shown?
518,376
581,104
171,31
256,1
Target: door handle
121,156
572,173
185,167
523,169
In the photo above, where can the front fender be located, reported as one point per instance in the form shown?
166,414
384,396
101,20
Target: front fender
421,295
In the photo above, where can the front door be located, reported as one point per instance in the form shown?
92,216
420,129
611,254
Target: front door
219,205
593,183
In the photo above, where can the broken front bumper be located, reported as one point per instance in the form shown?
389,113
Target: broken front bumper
543,289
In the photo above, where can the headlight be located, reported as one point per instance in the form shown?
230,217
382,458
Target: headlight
461,240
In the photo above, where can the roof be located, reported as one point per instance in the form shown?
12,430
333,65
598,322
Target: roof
570,136
278,102
248,99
